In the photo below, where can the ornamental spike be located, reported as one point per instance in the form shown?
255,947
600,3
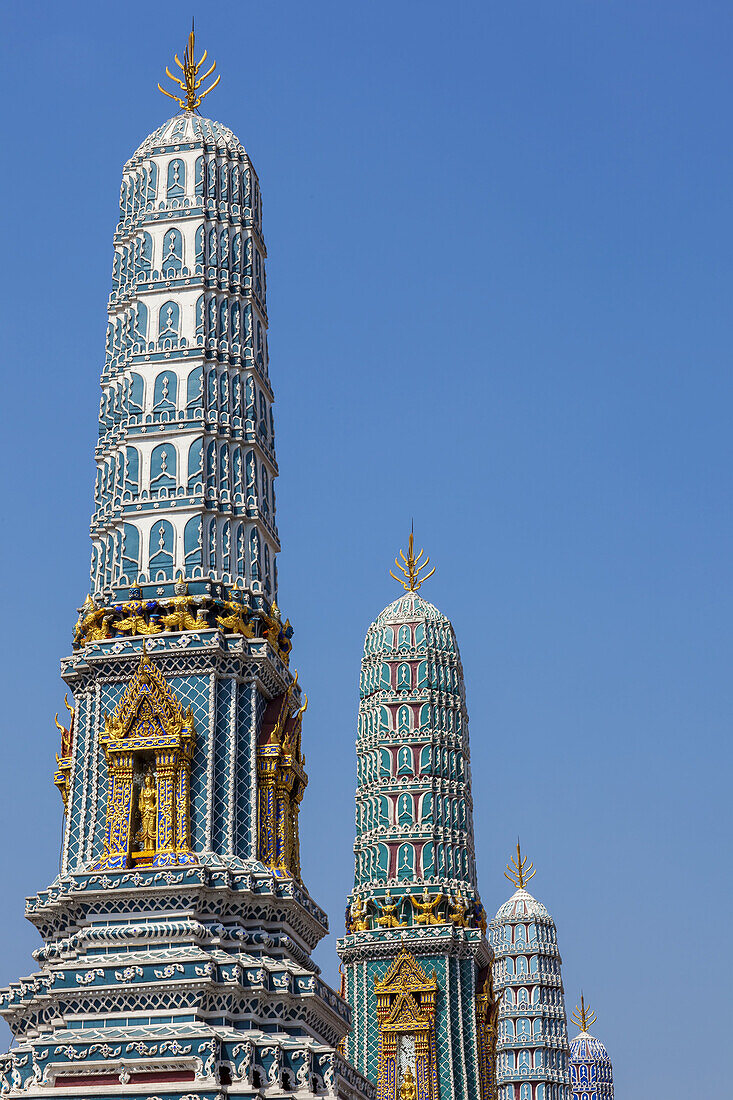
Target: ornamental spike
519,870
191,82
413,567
583,1017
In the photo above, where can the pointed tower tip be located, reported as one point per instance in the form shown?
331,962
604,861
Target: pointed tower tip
519,870
583,1017
191,83
412,566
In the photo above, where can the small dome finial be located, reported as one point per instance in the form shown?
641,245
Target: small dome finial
191,80
412,567
583,1017
518,870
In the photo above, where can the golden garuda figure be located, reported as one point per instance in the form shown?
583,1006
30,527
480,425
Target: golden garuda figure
135,621
237,621
277,632
388,917
186,612
359,916
425,909
93,623
458,911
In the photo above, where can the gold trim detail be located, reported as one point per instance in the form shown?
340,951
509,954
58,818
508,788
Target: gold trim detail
181,613
420,909
191,82
406,1011
62,775
487,1031
281,782
148,745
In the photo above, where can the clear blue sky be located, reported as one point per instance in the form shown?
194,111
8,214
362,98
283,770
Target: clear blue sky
500,302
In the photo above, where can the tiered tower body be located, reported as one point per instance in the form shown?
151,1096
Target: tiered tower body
178,934
416,961
186,453
532,1047
591,1072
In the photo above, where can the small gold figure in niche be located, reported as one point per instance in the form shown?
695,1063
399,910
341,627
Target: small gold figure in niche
425,910
408,1090
388,911
148,813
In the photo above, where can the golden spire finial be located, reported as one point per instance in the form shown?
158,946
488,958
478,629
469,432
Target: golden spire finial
412,568
191,80
583,1017
518,870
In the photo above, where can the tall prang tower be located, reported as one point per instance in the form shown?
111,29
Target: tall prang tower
532,1046
416,964
178,934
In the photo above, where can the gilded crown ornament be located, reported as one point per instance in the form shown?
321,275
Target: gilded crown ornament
191,82
583,1017
411,567
519,870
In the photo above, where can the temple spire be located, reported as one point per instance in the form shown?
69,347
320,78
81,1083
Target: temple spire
519,870
191,80
414,942
520,922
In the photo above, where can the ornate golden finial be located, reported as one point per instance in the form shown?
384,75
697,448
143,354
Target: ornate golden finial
191,80
519,871
583,1017
412,568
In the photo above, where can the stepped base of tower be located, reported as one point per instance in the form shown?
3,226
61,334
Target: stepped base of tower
188,981
177,939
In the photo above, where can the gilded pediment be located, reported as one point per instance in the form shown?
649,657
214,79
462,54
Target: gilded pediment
148,710
405,1015
405,975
